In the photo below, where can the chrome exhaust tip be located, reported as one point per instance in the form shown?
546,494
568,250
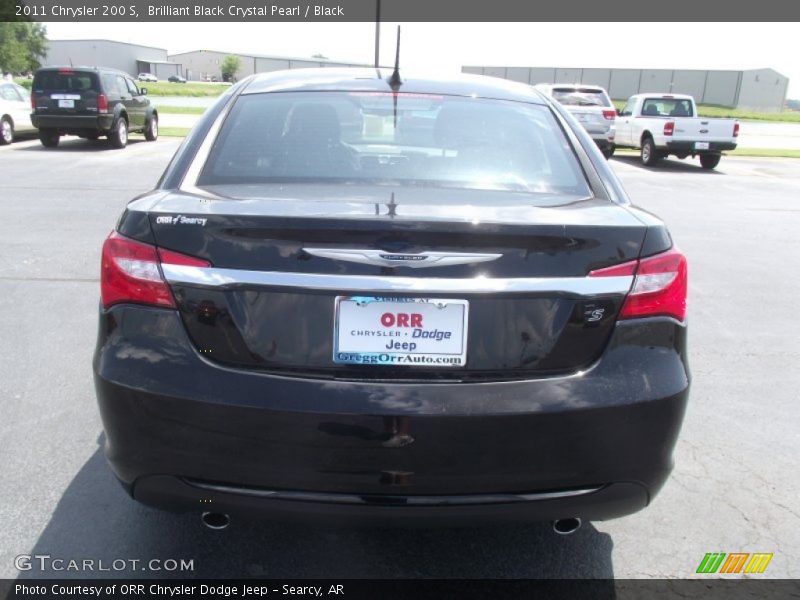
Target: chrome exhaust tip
217,521
567,526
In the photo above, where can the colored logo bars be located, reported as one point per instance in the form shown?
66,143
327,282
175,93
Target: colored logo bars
736,562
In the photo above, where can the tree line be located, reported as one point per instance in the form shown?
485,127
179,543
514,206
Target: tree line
22,46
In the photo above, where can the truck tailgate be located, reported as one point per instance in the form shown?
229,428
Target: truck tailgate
699,129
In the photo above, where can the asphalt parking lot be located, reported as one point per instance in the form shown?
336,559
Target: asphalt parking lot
735,487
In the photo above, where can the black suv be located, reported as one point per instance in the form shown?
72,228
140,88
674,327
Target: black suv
90,102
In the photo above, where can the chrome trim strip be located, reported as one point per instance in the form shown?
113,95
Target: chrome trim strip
383,258
214,277
390,499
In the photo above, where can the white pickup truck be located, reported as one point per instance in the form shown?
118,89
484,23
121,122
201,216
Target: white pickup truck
664,124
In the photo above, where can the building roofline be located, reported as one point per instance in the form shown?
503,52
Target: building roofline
109,42
275,57
622,68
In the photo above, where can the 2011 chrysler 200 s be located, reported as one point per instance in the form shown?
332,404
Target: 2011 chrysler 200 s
358,297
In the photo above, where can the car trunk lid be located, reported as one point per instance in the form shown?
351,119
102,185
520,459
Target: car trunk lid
282,255
595,119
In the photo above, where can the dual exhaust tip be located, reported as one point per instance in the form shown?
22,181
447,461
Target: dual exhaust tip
567,526
220,521
216,521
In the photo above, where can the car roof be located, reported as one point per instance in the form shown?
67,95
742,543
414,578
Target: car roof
83,68
577,86
378,80
664,96
582,86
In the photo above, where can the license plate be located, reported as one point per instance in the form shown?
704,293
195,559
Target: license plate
66,104
701,146
413,332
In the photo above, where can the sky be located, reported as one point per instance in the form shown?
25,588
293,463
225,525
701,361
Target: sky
444,47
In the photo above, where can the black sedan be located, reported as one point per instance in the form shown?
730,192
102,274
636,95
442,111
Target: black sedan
382,299
176,79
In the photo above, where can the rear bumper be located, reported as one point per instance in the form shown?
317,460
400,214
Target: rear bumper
688,147
73,122
605,134
185,434
605,502
603,142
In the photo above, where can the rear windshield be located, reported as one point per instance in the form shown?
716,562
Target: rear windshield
666,107
393,139
73,81
581,97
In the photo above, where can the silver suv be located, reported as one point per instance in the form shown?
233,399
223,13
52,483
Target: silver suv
591,106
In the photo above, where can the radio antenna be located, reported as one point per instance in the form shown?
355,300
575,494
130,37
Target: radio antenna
395,80
377,33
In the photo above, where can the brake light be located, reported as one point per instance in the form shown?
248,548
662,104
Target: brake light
669,127
168,257
609,115
130,272
102,103
736,130
659,286
65,71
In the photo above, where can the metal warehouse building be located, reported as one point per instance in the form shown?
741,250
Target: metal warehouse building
200,64
755,89
196,65
131,58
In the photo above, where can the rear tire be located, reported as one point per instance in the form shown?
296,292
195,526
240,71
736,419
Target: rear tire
151,131
709,161
6,131
49,137
118,138
650,156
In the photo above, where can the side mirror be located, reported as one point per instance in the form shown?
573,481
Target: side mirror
144,91
619,112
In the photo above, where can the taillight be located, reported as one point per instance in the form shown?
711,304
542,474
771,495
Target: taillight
33,103
659,286
736,130
609,115
102,103
168,257
669,127
130,272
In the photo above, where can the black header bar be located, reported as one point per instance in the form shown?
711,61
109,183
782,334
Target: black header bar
402,11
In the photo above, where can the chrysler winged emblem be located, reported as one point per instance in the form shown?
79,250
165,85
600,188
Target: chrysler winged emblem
382,258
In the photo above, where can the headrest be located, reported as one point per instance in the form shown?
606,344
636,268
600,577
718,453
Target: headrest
312,122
